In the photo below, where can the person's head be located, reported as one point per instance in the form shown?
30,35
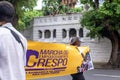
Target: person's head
75,41
7,11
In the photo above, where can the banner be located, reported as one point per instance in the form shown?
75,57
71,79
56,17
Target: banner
52,59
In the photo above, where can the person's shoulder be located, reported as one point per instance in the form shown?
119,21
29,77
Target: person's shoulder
4,31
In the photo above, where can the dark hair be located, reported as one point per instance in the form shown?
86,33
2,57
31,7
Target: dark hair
73,40
7,11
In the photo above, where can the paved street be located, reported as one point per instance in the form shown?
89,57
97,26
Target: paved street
96,74
103,75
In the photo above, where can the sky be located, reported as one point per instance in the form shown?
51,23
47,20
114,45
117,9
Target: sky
39,5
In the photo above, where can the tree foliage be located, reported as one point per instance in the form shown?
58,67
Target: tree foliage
107,15
53,7
27,18
103,20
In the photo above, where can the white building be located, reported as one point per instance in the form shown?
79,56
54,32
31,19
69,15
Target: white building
61,28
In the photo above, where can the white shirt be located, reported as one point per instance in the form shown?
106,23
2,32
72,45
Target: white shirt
11,54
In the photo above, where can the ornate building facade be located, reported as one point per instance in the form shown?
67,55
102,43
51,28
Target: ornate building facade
60,29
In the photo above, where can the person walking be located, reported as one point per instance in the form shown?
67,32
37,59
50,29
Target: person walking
77,76
13,46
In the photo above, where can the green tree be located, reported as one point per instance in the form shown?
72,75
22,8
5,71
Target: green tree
27,18
53,7
50,7
104,21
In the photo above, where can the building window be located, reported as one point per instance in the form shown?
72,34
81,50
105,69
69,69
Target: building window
81,32
47,34
72,33
64,33
54,33
40,33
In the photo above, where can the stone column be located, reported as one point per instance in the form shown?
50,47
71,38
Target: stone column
77,32
43,32
67,37
51,34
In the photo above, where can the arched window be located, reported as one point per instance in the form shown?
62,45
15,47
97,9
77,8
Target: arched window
64,33
40,33
72,32
81,32
47,34
54,33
